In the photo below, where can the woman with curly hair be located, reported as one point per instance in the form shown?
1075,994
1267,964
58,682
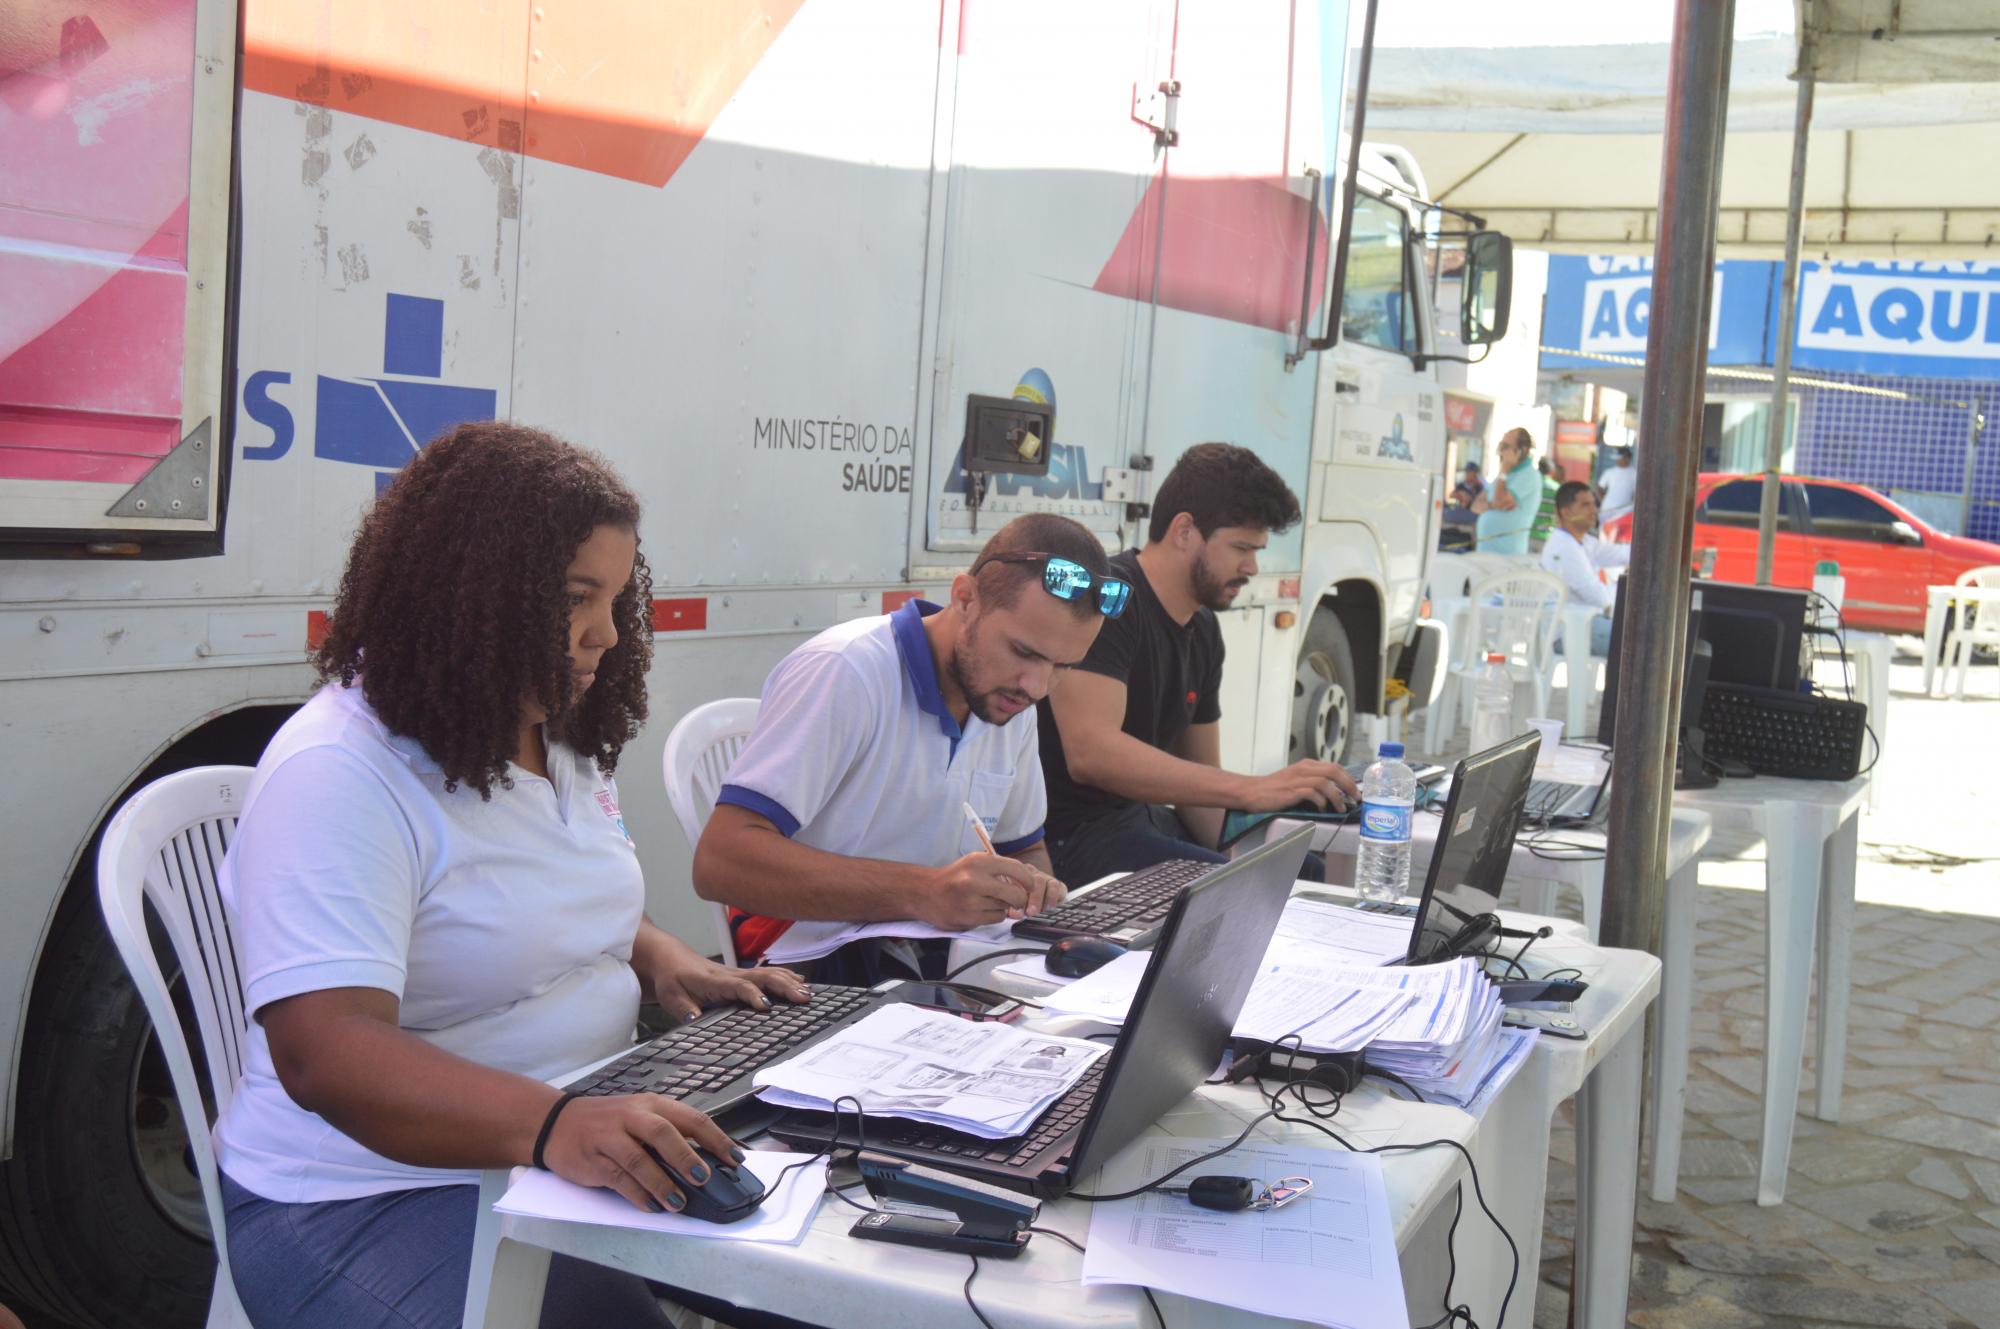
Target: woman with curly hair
438,906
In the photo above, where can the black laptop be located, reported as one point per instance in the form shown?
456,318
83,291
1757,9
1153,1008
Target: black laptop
1207,955
1482,814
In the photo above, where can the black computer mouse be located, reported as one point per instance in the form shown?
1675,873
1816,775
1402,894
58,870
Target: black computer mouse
1073,957
730,1195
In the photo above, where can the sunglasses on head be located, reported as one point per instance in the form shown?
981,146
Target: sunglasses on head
1069,580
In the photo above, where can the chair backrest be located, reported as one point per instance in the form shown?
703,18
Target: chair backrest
166,847
1986,578
1516,612
697,757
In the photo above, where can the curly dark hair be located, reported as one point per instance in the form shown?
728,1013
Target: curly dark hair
454,606
1220,484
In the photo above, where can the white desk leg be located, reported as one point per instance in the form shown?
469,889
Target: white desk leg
504,1289
1836,944
1607,1185
1579,675
1672,1016
1791,907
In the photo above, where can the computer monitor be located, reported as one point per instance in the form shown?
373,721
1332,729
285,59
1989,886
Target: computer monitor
1469,864
1755,632
1694,667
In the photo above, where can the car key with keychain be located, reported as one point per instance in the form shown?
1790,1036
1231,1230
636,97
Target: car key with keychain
1231,1195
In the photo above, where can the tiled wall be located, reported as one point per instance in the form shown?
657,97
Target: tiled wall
1890,444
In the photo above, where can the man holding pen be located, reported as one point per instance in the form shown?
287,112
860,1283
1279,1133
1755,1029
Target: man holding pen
876,738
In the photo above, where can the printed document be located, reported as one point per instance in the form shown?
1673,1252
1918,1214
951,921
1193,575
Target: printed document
984,1078
1328,1257
784,1217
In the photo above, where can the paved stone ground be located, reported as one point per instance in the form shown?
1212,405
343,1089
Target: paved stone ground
1892,1215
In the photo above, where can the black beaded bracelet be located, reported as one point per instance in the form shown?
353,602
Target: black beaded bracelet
548,1126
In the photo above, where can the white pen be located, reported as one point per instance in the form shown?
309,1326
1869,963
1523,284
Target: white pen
979,829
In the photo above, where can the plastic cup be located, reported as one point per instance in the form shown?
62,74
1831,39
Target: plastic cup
1551,732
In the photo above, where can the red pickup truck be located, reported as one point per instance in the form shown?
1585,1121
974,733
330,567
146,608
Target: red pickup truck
1887,554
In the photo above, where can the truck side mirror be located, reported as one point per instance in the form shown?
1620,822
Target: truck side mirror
1489,288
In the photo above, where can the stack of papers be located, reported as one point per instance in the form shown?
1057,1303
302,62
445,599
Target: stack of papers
1347,934
811,940
1448,1041
984,1079
786,1213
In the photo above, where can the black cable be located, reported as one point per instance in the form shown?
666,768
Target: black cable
1452,1314
1396,1080
991,955
1160,1181
967,1289
1077,1246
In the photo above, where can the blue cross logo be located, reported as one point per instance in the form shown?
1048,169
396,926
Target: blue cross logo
381,422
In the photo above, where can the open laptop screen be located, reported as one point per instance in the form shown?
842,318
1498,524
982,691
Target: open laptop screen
1488,790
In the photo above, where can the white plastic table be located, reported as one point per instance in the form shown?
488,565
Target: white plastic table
1537,878
832,1279
1811,831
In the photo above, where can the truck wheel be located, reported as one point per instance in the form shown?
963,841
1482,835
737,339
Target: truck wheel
1323,694
101,1216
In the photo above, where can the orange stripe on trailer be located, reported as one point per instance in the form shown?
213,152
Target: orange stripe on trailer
688,615
894,600
625,88
315,628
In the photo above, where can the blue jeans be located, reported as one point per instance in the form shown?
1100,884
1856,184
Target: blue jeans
1138,837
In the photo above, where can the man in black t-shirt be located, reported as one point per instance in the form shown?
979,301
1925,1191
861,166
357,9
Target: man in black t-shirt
1131,747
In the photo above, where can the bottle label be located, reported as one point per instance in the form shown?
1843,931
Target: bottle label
1387,823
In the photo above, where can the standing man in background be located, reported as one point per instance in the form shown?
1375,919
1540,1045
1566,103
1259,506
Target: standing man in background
1131,744
1619,486
1507,510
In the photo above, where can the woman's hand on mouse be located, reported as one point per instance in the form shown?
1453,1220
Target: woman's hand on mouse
603,1142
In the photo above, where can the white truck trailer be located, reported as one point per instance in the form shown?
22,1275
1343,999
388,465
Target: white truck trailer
809,273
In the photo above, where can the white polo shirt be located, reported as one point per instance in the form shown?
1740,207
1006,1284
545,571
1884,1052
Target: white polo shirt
856,753
504,928
1581,564
1621,485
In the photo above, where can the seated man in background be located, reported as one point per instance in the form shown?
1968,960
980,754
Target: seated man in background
848,801
1136,728
1575,554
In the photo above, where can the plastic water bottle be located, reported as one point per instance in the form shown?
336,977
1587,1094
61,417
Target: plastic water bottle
1830,589
1388,799
1492,704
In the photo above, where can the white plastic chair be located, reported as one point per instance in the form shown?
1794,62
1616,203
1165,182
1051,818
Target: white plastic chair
1517,612
1976,624
699,751
166,846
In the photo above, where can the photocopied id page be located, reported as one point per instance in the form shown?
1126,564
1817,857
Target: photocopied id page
1328,1257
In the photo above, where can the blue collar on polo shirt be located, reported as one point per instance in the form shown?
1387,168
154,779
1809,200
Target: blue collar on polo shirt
915,649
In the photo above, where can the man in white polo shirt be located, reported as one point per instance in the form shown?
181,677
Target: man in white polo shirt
1575,554
848,802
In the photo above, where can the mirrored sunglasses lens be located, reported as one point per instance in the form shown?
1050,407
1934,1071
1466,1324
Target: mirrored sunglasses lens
1112,597
1065,580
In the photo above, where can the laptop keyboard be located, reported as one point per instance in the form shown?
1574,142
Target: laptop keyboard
1064,1115
1545,797
1138,902
707,1056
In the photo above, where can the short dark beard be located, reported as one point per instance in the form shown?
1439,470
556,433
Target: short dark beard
978,702
1208,592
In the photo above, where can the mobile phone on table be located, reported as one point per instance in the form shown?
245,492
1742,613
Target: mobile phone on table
971,1003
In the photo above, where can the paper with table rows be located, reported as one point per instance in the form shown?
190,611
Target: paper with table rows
1328,1257
984,1078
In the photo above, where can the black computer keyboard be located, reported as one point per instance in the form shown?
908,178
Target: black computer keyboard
1130,908
1774,732
705,1057
1064,1115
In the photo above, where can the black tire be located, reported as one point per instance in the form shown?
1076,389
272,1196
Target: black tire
1325,698
88,1234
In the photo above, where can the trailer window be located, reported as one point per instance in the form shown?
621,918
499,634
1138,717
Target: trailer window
115,129
1375,306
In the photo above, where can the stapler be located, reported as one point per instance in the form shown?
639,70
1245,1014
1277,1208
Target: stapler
923,1206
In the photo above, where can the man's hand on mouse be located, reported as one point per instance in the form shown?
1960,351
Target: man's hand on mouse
984,888
603,1141
1320,783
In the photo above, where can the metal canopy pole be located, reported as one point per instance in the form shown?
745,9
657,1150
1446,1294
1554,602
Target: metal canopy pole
1642,759
1788,307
